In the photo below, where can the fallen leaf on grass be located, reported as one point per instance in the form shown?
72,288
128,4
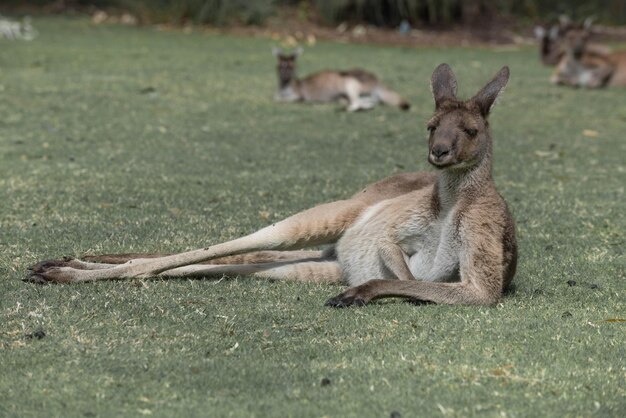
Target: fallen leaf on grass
175,211
265,215
232,349
591,133
547,154
615,320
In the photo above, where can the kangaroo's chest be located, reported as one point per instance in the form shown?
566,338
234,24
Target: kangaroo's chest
287,94
430,245
432,251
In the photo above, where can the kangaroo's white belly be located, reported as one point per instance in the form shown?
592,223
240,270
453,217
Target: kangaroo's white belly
430,246
434,256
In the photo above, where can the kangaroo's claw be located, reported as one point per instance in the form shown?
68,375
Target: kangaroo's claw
34,278
345,299
48,264
51,271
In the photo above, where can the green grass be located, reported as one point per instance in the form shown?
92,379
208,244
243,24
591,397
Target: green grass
89,163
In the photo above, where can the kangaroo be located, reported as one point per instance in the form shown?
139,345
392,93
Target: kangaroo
552,41
583,65
362,89
445,236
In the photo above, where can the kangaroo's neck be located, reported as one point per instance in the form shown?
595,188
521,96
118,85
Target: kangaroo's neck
454,185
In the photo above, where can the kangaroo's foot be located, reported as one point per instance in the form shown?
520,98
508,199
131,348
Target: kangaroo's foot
350,297
69,262
50,271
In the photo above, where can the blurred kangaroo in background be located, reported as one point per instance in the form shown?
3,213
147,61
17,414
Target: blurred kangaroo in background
443,237
583,65
362,89
552,41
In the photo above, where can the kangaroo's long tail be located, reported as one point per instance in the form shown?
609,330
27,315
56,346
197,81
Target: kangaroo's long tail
391,98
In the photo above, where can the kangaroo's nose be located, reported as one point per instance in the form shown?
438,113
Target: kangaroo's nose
440,150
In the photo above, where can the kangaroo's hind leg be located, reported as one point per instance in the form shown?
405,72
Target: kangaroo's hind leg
254,257
322,224
358,100
106,261
317,271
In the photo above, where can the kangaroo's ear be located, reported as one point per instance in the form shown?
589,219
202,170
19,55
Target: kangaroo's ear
443,84
276,51
487,96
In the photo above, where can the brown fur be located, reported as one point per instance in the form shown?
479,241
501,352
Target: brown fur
360,88
457,207
553,41
584,64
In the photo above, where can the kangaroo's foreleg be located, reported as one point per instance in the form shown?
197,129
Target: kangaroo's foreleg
482,270
445,293
320,225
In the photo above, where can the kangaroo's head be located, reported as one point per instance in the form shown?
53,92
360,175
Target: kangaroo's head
571,69
555,38
286,65
549,38
459,132
575,40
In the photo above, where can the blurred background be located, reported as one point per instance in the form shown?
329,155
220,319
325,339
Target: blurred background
497,21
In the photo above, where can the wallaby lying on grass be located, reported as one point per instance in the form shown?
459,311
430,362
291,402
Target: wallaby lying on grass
450,230
362,89
584,66
552,41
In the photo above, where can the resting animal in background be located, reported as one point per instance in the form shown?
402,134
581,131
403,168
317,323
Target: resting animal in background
583,65
552,41
444,237
362,89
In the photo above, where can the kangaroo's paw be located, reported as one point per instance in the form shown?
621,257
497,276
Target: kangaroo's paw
47,264
351,297
50,274
69,262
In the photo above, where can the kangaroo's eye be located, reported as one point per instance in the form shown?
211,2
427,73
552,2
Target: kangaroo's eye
470,132
431,128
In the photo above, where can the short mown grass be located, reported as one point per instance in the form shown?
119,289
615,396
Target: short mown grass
117,139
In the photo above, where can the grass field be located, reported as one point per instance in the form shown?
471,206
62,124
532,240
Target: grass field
117,139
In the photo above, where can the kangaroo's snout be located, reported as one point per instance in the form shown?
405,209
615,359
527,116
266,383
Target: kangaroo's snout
441,154
440,150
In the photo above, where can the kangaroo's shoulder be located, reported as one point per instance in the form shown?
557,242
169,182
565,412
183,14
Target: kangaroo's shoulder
397,185
486,213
